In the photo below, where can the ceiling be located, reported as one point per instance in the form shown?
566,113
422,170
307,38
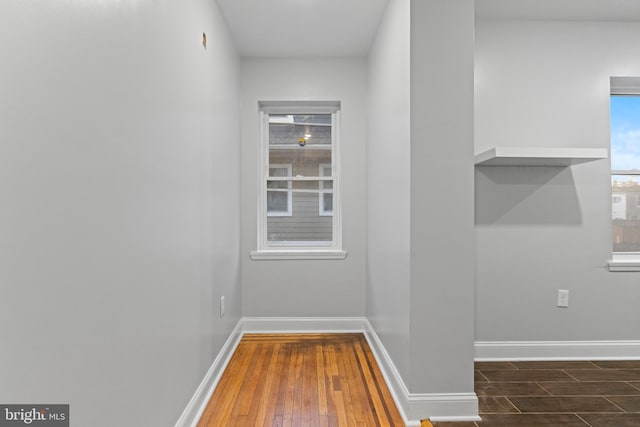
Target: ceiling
569,10
302,28
330,28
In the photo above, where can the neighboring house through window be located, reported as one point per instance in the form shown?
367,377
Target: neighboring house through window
298,203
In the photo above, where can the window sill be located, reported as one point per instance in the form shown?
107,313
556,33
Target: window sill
297,254
625,262
624,265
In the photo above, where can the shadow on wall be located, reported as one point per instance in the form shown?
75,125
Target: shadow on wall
521,195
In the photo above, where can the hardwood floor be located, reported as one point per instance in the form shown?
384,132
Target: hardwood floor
302,380
579,393
333,380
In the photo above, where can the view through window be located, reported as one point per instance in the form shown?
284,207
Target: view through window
304,142
298,207
625,172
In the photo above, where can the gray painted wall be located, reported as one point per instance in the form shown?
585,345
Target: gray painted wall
420,270
119,214
388,184
543,229
442,229
322,288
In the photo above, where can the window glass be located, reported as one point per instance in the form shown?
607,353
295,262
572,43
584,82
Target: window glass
625,174
625,132
299,157
278,194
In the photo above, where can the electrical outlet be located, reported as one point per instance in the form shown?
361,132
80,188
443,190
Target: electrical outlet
563,298
222,306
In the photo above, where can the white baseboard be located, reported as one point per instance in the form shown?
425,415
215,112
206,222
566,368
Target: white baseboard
556,350
419,406
413,407
283,325
196,406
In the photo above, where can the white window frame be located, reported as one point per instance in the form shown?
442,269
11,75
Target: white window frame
321,209
268,250
289,210
624,261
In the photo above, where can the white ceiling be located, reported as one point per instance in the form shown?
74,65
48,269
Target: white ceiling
302,28
571,10
329,28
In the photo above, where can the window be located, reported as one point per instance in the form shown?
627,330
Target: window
625,172
298,203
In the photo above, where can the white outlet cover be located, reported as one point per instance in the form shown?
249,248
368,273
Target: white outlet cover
563,298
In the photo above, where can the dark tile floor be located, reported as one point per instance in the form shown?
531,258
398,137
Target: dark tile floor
549,394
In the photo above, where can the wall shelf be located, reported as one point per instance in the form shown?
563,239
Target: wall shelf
539,156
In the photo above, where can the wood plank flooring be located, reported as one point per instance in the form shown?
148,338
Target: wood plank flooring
309,380
571,393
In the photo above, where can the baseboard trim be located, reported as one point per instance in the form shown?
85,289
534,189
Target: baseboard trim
196,406
418,406
283,325
556,350
413,407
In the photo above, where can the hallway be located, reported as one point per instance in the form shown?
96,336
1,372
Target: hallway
302,380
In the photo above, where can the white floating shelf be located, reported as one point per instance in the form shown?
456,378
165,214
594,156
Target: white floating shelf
539,156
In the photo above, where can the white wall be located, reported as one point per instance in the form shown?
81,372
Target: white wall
420,269
543,229
388,184
442,188
118,222
306,288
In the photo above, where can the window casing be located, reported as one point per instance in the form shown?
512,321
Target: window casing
299,181
625,173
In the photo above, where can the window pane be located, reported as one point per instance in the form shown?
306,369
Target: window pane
304,141
625,132
625,156
300,130
304,161
277,191
625,213
277,202
305,224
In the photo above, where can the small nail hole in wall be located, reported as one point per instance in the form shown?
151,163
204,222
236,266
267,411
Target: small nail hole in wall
204,40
